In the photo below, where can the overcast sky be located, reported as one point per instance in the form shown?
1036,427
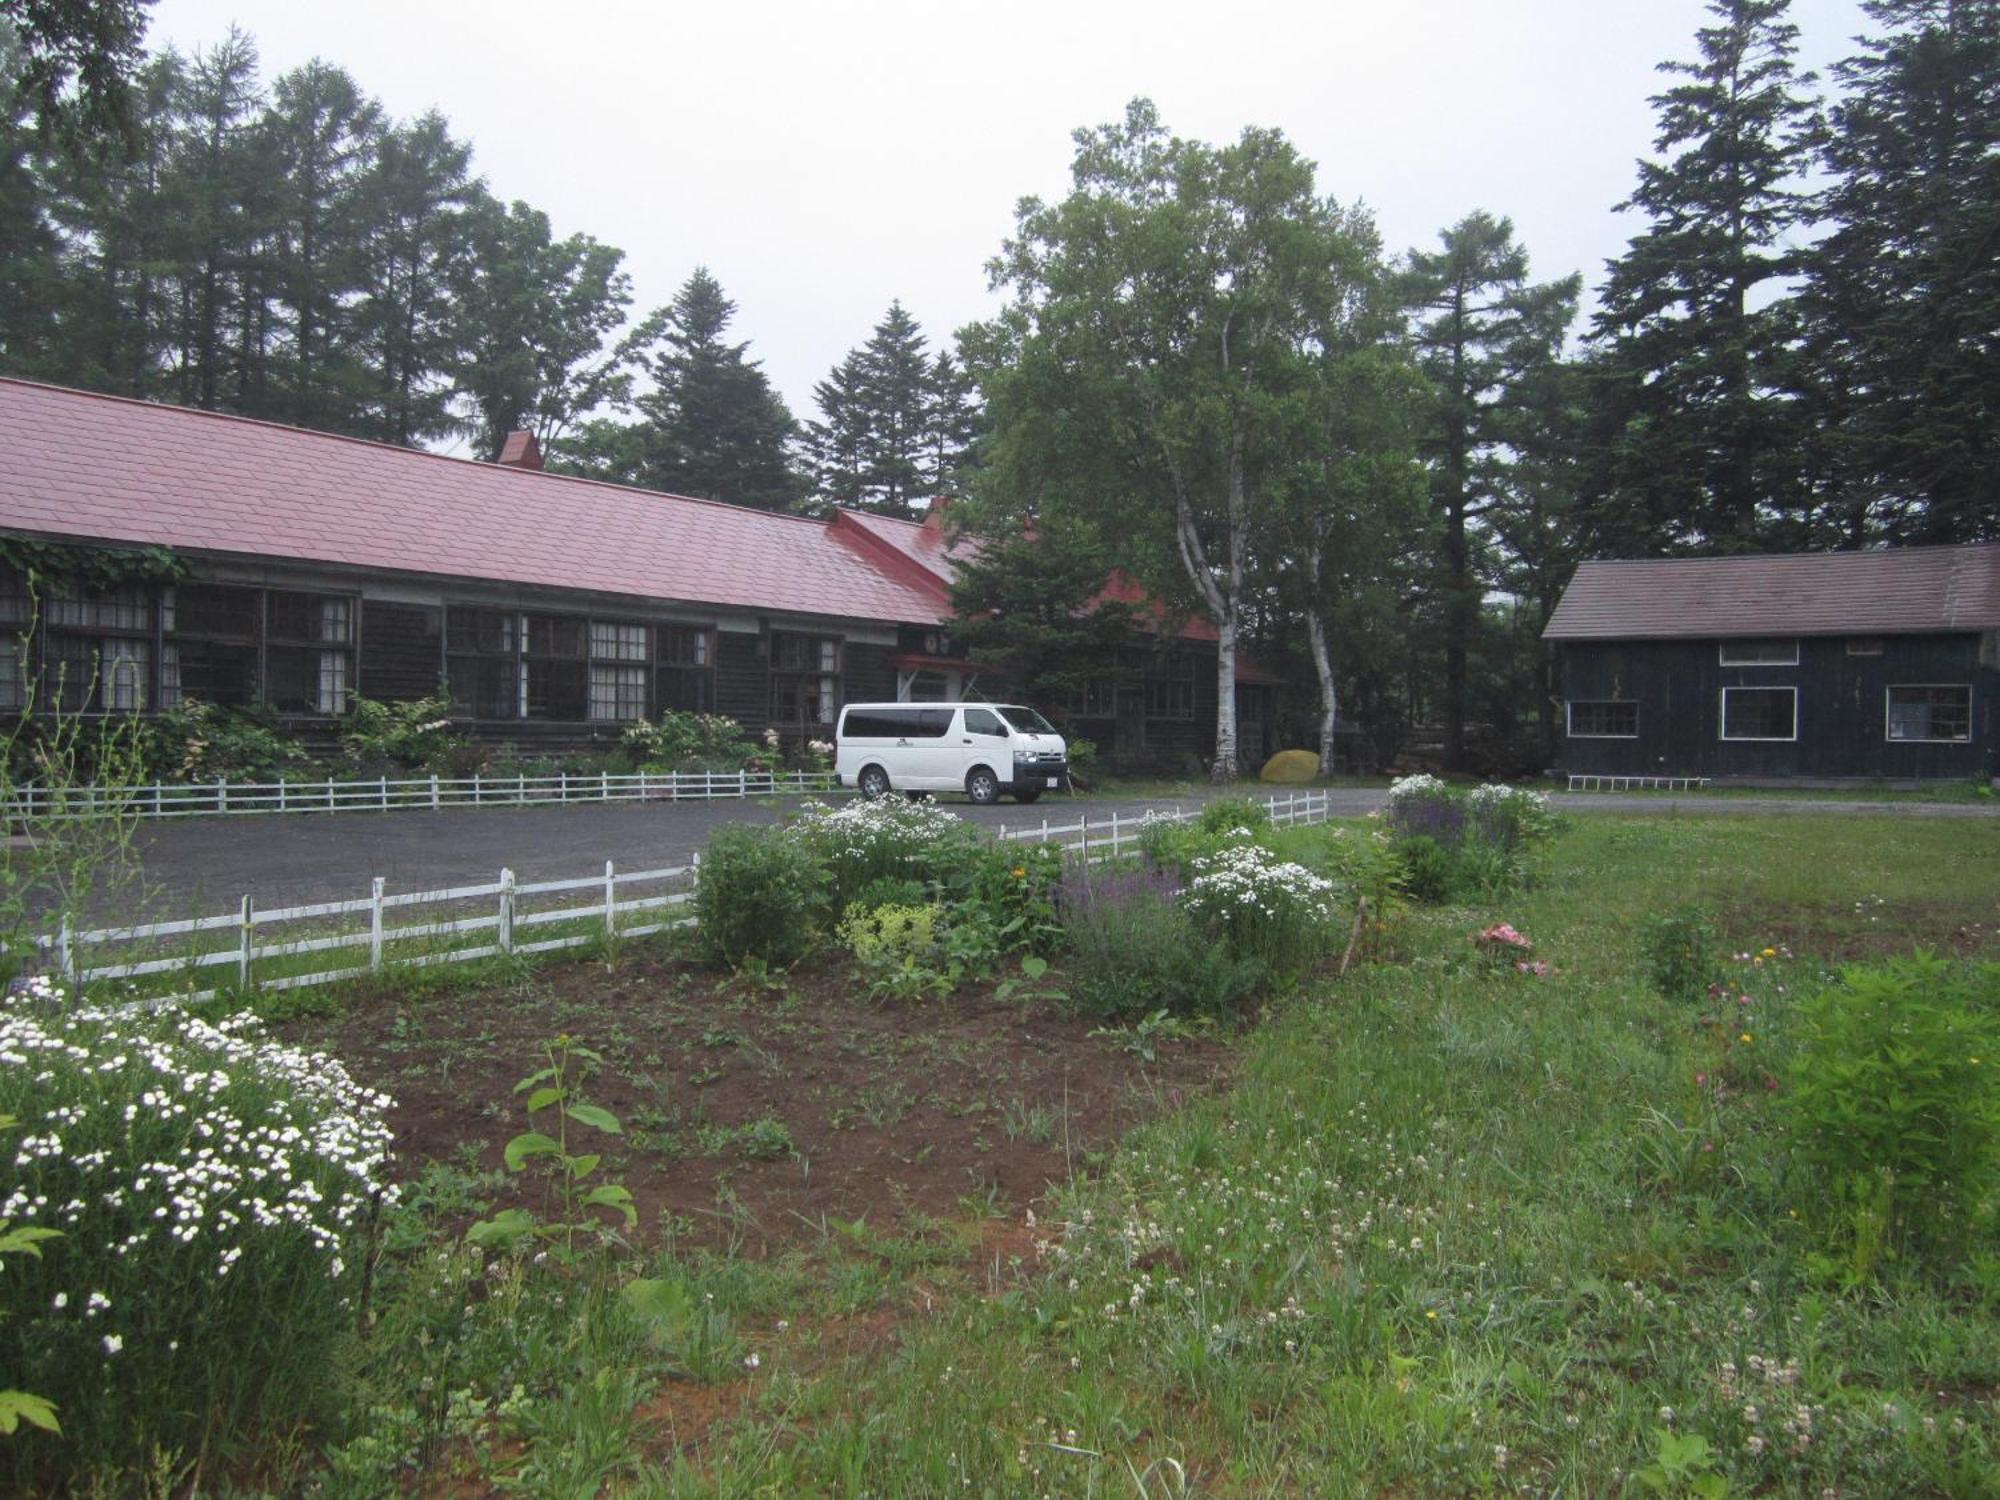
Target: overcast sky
823,158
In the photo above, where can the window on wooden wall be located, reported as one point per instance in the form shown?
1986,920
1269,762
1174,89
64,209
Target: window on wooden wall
1095,699
1930,712
555,673
805,678
1170,687
309,655
211,650
1760,713
618,655
97,650
1603,719
685,668
1760,653
483,661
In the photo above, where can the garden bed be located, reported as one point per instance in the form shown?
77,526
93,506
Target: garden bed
756,1111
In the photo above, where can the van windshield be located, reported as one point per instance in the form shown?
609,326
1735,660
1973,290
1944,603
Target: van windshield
1024,718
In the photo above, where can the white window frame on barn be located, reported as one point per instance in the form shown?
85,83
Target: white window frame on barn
1889,707
1722,727
1570,729
1759,652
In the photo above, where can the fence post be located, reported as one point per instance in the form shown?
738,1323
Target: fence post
281,794
478,787
645,785
221,794
603,786
434,791
610,900
506,928
375,925
1084,848
248,929
1115,845
521,787
157,800
66,951
385,793
742,783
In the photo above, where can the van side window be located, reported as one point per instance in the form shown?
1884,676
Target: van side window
984,721
935,723
881,724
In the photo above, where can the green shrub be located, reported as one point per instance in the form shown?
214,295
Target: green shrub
899,949
680,741
1134,951
408,735
1456,844
214,1192
198,741
761,893
1679,950
1261,908
1430,870
1892,1107
1227,814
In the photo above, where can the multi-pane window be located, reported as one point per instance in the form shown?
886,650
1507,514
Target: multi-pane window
618,690
13,684
556,674
1605,719
1930,712
309,655
1760,653
685,676
483,661
1760,713
211,652
1095,699
97,650
805,679
1170,687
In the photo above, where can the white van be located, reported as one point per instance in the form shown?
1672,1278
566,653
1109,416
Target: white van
981,749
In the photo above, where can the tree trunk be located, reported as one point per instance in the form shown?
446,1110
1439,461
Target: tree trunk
1328,690
1224,769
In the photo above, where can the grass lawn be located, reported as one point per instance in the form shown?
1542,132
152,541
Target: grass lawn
1442,1229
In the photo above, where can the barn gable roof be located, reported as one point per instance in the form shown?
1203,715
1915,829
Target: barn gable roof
118,470
1894,591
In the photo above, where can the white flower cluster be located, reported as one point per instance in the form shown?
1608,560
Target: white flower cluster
1496,794
1246,878
1416,788
151,1135
867,831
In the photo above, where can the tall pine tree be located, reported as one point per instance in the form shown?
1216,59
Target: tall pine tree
1903,293
1696,358
1482,331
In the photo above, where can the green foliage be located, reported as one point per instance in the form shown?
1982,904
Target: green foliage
1262,909
1681,953
1226,814
409,735
762,894
557,1087
899,949
681,741
215,1192
199,741
1893,1109
1134,951
1456,844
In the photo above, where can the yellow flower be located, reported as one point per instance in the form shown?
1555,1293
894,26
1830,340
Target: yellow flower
1770,953
1431,1314
1744,1038
1020,872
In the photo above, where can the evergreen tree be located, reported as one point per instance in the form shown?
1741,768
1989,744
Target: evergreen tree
895,448
711,426
836,445
1483,329
1709,437
1903,294
955,420
30,246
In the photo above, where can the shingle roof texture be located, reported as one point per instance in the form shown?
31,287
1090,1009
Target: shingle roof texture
1906,590
77,464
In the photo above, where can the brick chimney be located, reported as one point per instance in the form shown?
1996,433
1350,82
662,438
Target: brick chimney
521,451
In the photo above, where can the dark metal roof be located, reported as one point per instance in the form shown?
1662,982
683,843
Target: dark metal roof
1897,591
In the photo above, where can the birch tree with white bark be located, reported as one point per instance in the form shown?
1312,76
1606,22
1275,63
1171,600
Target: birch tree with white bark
1154,371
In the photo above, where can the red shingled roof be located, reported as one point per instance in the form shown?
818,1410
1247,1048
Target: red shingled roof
1900,590
85,465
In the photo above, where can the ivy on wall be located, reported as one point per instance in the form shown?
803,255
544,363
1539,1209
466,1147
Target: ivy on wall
86,568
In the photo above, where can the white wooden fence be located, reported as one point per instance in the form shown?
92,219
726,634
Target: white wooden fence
497,917
236,798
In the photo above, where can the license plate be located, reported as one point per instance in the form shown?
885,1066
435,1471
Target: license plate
1055,781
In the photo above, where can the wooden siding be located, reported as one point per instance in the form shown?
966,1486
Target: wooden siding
1678,685
402,650
868,673
742,680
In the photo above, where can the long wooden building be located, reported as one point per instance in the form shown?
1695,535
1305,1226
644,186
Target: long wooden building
552,609
1836,665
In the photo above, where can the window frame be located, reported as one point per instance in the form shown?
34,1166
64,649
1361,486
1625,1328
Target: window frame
1889,721
1722,649
1722,723
1170,688
1570,731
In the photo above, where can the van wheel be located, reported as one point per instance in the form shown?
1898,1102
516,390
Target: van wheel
1024,798
873,782
983,787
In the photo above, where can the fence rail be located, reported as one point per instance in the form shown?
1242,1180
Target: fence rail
239,798
374,930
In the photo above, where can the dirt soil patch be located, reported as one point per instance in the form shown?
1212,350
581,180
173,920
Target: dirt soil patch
755,1112
1869,929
